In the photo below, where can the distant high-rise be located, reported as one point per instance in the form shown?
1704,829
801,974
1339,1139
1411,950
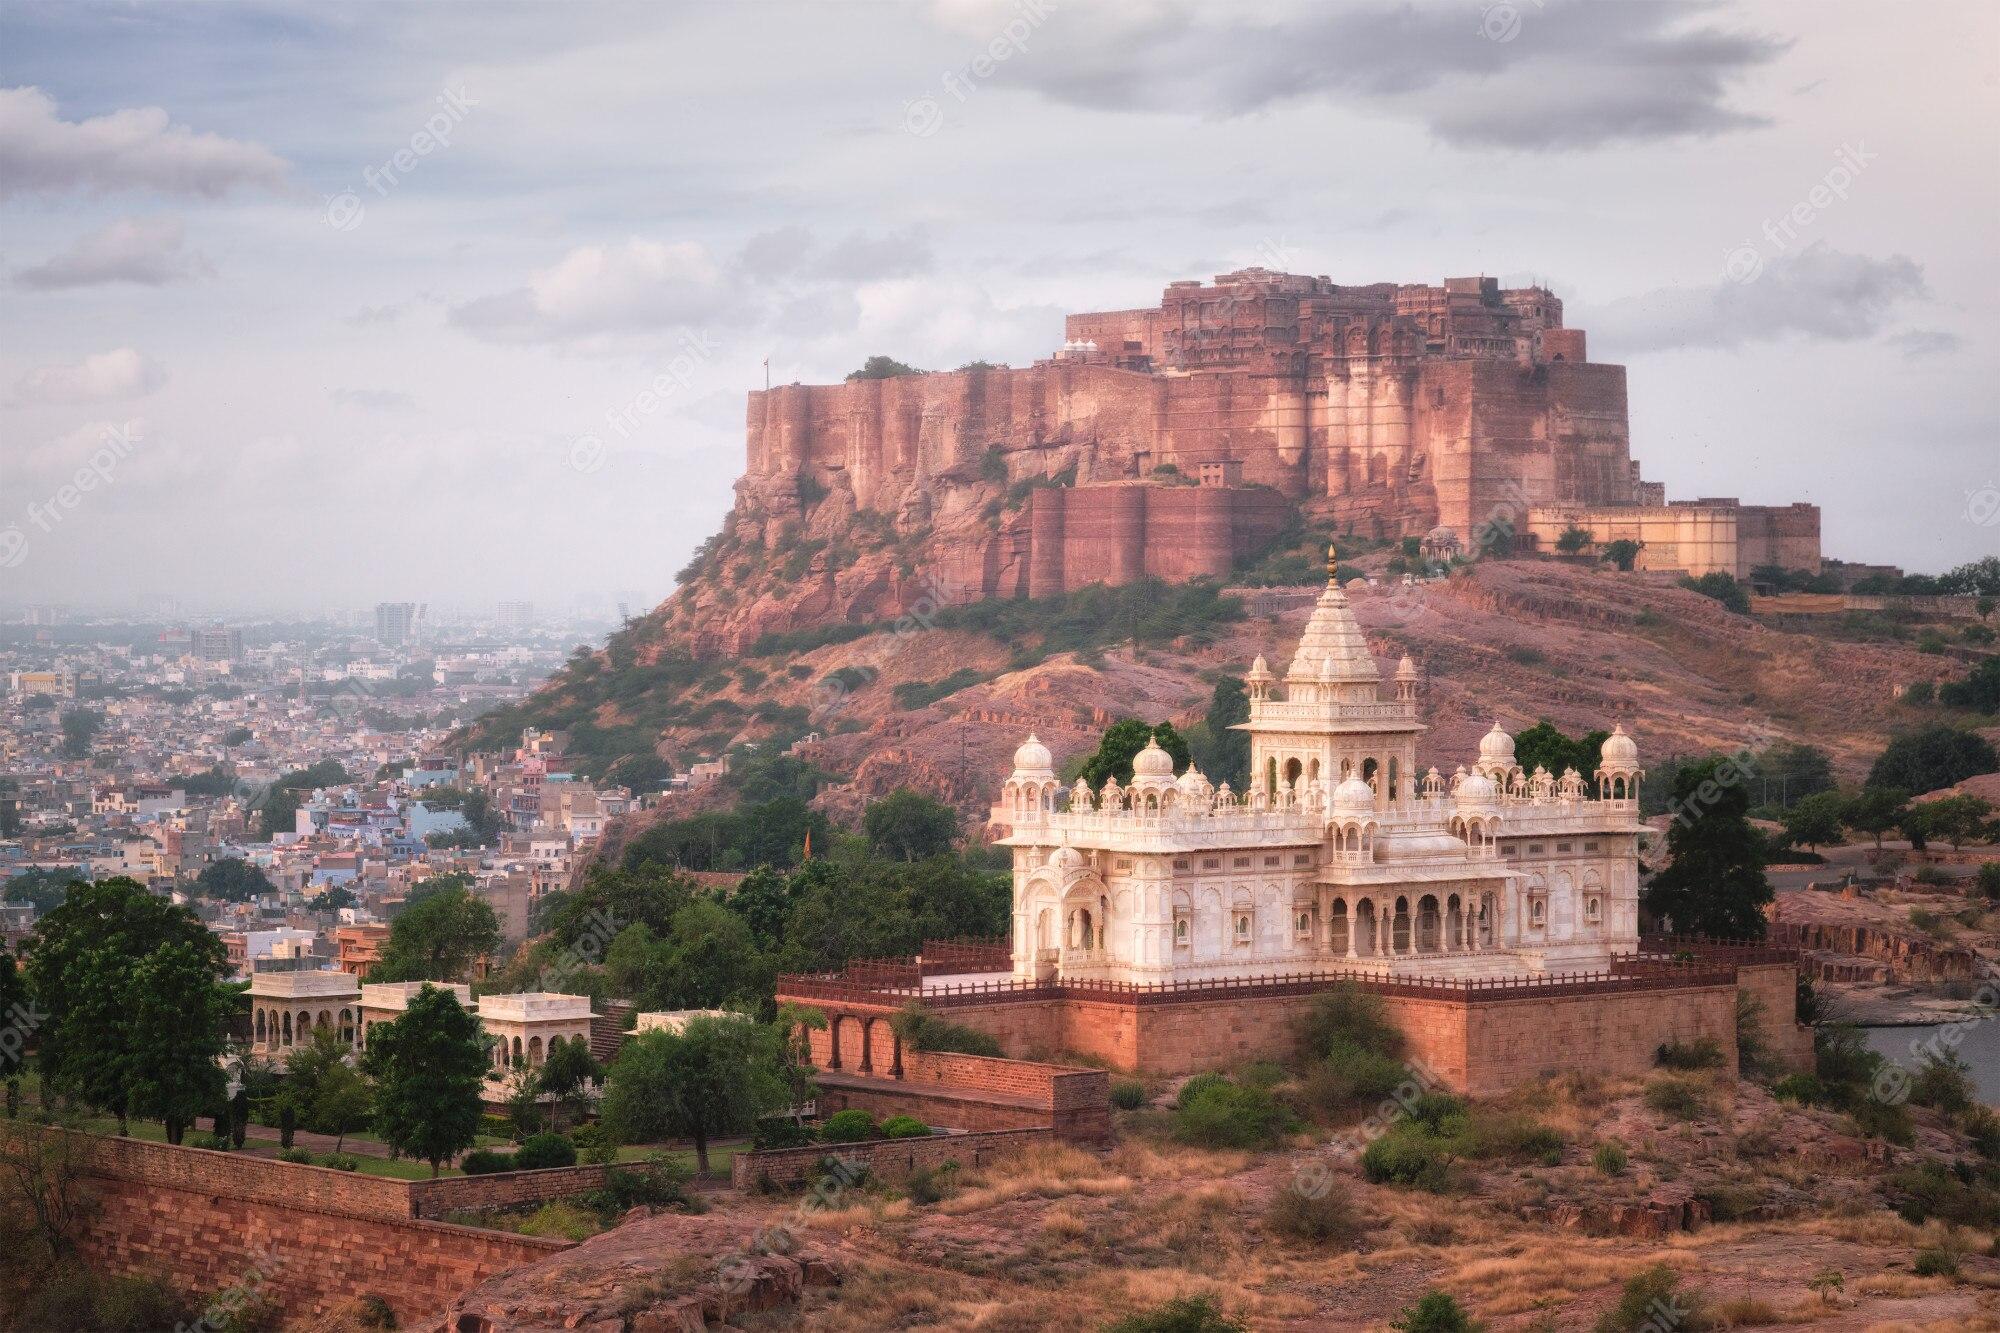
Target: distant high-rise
218,643
393,622
517,615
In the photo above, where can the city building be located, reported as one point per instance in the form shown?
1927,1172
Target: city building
393,622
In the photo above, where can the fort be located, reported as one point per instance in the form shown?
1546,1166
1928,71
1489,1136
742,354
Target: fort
1173,439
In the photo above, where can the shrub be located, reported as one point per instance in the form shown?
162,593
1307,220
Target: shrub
1701,1053
561,1221
849,1126
1730,1203
1943,1082
212,1142
1434,1312
341,1161
1347,1018
1936,1261
1882,1120
780,1131
542,1151
658,1181
484,1162
1407,1155
928,1185
904,1127
1805,1089
1128,1094
922,1030
1651,1299
594,1144
1184,1314
1963,1195
1683,1098
1325,1218
1351,1077
1229,1115
1609,1158
298,1156
73,1297
1199,1084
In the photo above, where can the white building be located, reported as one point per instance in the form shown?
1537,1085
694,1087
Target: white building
1341,856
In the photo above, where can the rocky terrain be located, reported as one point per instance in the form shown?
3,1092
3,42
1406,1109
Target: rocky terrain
1771,1215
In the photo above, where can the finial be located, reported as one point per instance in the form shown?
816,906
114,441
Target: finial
1332,564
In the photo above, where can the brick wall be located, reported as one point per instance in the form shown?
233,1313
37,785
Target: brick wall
205,1221
1511,1042
501,1189
790,1167
971,1091
1775,987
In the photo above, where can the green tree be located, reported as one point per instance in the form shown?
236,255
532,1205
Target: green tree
1545,746
1932,758
710,959
716,1076
908,826
840,914
17,1022
429,1066
1122,741
277,812
1875,810
79,728
1722,588
1574,540
333,898
881,368
1957,819
1224,754
1979,692
342,1104
319,1051
42,889
566,1075
1788,772
1623,553
135,1011
611,898
232,880
1816,820
1715,885
440,933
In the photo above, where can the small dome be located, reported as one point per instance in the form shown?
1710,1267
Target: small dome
1476,790
1066,860
1152,762
1033,757
1497,746
1620,751
1193,783
1260,669
1353,797
1357,584
1442,536
1406,669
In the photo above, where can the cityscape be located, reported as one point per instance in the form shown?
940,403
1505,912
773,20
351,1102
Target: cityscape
999,665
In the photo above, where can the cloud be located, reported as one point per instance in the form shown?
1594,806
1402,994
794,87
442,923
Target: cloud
1919,344
642,285
375,400
146,251
105,378
1819,293
71,450
1565,74
133,149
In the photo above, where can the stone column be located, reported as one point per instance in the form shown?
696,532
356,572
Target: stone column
1353,929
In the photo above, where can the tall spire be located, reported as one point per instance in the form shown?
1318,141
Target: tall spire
1332,648
1332,565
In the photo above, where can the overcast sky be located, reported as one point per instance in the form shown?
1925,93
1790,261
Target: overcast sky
317,377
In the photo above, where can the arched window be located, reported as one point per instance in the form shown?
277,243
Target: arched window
1181,929
1243,927
534,1050
1538,912
1593,909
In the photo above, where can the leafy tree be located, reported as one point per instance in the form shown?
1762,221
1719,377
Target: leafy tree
908,826
567,1071
277,813
1788,772
1715,885
881,368
333,898
1875,810
236,736
1980,690
1722,588
1932,758
1623,553
714,1077
764,899
43,889
342,1104
429,1065
130,983
1573,540
79,728
319,1052
1981,576
232,880
1544,745
1224,754
438,936
1122,741
1816,820
1957,819
10,809
840,914
641,893
15,1008
711,959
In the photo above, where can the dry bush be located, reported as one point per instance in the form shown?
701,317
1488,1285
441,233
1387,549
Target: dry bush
1901,1286
1527,1278
1168,1161
1039,1171
1747,1312
863,1214
1326,1219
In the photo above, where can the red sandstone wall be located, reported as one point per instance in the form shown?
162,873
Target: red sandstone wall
1775,986
788,1167
206,1221
1511,1042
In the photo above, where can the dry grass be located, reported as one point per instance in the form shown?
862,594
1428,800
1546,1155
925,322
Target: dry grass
867,1214
1879,1228
1533,1273
1039,1171
1902,1286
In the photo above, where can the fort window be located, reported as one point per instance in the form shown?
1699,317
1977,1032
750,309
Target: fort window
1273,860
1180,863
1302,858
1305,924
1593,909
1535,849
1510,850
1563,846
1538,912
1242,927
1181,929
1241,863
1122,864
1590,846
1211,863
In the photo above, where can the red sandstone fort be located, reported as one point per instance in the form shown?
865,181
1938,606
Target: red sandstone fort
1175,439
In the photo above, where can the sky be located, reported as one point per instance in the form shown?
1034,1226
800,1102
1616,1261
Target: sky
337,303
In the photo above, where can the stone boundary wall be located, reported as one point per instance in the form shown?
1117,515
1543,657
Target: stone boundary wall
503,1189
792,1167
207,1221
